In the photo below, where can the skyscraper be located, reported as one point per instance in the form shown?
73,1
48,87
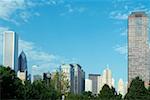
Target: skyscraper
10,50
68,70
138,47
22,67
121,87
79,79
95,82
107,77
22,62
76,77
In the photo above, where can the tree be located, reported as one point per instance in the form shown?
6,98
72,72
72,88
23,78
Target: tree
108,93
61,83
137,90
87,95
11,87
39,90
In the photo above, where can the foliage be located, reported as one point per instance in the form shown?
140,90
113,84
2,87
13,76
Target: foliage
137,91
108,93
11,87
60,82
83,96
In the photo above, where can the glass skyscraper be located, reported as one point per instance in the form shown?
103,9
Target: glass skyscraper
22,62
22,67
10,50
138,47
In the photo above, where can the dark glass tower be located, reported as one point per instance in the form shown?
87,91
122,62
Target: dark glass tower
22,62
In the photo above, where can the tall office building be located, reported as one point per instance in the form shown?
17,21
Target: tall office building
88,85
138,47
107,77
76,77
22,67
22,62
79,79
68,70
95,82
10,50
121,87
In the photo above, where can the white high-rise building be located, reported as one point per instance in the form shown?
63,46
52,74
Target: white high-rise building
10,50
68,71
113,82
126,88
88,85
121,87
99,84
107,77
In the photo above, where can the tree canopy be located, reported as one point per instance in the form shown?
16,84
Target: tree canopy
11,87
137,90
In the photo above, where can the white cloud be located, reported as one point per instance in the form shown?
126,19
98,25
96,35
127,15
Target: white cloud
45,61
18,10
35,56
121,49
8,7
70,9
122,13
118,15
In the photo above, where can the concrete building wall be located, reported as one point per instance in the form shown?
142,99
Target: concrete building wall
138,47
88,85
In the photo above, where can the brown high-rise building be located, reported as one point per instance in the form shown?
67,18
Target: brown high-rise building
138,47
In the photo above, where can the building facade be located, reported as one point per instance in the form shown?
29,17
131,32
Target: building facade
79,79
76,77
68,71
22,62
22,67
88,85
107,77
138,47
121,87
95,82
10,50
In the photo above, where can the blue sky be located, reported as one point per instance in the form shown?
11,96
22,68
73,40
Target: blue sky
92,33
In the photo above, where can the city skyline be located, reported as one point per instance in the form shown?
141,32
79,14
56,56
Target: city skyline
73,32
